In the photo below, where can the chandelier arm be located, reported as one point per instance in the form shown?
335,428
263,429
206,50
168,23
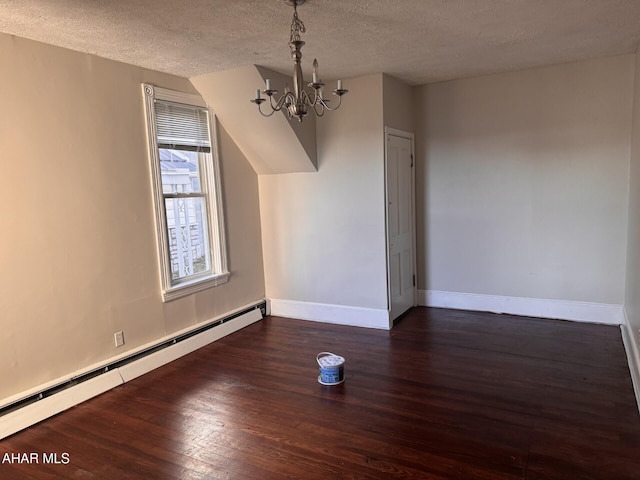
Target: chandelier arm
287,99
315,101
323,101
332,109
305,97
277,105
266,114
319,100
320,106
314,97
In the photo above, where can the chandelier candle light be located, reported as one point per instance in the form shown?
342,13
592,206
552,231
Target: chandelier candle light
300,101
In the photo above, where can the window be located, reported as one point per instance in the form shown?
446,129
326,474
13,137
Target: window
186,184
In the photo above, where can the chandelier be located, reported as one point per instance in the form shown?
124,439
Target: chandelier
299,102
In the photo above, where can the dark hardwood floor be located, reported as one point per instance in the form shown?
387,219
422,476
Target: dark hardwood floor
444,395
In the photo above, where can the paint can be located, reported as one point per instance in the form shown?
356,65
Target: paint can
331,368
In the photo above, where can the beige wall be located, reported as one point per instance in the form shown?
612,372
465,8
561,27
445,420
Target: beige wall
397,104
324,232
78,247
632,298
523,182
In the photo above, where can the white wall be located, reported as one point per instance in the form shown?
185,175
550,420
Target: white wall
78,257
523,182
324,232
632,298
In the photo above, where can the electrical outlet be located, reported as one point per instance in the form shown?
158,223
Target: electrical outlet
118,338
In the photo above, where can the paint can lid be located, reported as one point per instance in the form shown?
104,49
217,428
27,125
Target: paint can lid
328,359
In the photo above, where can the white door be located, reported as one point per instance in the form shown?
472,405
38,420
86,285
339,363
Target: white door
400,221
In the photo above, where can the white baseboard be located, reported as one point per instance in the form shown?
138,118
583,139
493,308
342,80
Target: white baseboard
605,313
338,314
632,348
47,407
35,412
162,357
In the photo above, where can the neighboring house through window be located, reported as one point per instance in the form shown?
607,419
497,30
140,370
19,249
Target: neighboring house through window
186,184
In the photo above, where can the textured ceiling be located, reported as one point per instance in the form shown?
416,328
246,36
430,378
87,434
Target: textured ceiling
418,41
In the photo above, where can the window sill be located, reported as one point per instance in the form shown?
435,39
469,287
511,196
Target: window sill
184,289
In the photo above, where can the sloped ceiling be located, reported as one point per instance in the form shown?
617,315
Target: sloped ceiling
417,41
272,145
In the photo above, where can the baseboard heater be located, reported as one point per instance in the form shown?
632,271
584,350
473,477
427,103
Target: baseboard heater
119,371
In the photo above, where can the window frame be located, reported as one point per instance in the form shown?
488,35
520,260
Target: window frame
211,187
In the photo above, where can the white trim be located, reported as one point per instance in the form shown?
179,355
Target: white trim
632,349
398,133
337,314
211,184
605,313
42,409
182,290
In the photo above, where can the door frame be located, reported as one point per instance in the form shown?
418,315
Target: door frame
388,131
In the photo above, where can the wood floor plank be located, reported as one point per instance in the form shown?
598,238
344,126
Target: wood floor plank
444,395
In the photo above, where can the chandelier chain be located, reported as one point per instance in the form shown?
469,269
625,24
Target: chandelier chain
297,27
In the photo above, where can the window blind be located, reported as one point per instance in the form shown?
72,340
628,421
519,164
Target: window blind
182,127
